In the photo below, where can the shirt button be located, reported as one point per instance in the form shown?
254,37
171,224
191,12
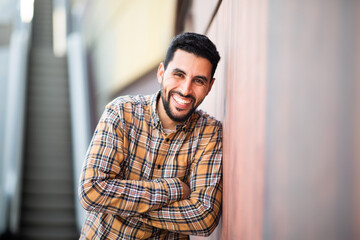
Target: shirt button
158,166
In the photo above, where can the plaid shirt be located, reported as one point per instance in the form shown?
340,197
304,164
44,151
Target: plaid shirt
130,184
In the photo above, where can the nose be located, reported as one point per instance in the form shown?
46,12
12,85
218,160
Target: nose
186,87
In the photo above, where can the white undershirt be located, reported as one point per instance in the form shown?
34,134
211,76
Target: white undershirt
168,131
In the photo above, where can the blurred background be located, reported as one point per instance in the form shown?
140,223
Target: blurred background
287,90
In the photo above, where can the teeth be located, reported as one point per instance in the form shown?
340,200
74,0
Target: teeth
179,100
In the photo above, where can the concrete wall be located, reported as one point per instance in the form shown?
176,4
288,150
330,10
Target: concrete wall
291,152
125,39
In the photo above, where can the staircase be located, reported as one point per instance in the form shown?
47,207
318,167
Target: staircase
47,210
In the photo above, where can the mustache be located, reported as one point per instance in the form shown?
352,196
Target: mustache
182,95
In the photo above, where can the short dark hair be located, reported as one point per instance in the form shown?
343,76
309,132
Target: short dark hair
197,44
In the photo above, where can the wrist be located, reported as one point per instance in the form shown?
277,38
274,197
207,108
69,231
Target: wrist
174,189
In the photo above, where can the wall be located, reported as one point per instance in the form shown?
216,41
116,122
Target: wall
125,39
291,153
311,90
146,85
241,27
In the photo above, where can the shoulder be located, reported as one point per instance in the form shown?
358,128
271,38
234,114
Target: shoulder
206,122
127,108
130,106
129,102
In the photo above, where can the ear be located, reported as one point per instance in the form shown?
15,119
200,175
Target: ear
211,84
160,72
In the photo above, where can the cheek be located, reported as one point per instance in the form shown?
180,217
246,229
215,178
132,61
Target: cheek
169,84
202,93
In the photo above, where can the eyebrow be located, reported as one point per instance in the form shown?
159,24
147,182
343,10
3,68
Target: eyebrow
176,70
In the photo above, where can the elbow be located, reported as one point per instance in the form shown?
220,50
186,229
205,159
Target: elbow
208,224
205,232
85,199
85,203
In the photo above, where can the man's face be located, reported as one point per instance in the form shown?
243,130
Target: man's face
184,85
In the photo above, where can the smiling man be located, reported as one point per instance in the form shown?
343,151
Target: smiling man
153,168
184,85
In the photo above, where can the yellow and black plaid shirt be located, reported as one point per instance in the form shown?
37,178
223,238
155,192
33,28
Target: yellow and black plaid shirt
130,184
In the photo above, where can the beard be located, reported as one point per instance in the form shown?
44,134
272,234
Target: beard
166,104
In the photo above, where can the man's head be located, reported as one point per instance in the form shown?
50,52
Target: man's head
186,77
196,44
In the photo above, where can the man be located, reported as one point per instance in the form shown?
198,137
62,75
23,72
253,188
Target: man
153,168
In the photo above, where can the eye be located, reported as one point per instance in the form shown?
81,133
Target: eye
179,74
199,81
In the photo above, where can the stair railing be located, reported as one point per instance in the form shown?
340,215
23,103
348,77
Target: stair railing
79,104
15,114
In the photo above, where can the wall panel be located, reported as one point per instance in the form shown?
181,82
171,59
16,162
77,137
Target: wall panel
240,31
310,158
291,126
291,137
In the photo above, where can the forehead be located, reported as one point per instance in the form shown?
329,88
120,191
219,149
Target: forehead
190,63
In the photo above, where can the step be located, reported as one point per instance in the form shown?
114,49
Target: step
54,88
52,154
49,173
60,204
50,131
43,107
40,196
53,130
50,89
55,72
59,164
49,233
47,60
48,217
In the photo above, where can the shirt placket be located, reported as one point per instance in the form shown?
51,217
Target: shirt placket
168,150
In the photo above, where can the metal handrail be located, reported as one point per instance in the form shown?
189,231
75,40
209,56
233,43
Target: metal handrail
15,122
78,92
80,112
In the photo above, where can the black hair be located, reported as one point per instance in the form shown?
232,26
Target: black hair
197,44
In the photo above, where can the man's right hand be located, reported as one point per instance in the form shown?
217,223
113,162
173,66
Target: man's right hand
186,190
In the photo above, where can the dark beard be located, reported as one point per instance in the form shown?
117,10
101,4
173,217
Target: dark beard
168,111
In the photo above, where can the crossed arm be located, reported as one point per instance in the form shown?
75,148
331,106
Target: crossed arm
164,202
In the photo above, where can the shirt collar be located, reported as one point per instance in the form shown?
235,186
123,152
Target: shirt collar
156,120
154,116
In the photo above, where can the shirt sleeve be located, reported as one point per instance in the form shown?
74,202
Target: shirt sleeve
102,188
199,214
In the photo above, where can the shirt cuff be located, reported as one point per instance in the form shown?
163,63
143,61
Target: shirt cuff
174,189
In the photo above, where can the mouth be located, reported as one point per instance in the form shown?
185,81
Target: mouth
182,103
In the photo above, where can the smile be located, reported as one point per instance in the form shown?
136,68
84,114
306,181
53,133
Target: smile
181,101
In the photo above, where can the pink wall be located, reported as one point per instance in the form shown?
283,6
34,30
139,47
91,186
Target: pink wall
290,76
240,29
